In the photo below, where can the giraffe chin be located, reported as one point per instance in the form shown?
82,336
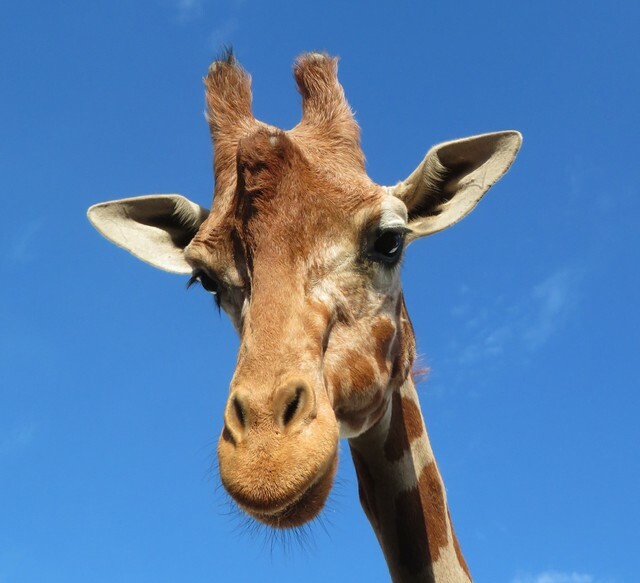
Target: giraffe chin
299,510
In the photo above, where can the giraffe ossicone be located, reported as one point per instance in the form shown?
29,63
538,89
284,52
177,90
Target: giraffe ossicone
302,250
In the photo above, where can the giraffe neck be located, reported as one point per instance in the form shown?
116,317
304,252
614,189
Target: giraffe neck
404,498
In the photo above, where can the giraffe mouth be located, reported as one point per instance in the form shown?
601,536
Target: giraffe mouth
303,508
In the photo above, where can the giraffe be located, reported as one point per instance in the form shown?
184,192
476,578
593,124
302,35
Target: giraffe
303,250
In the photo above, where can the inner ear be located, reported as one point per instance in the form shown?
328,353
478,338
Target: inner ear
445,172
175,220
154,228
453,177
457,161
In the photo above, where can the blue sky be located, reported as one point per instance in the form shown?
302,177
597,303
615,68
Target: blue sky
113,377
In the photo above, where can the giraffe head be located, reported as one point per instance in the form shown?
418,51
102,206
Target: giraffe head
302,250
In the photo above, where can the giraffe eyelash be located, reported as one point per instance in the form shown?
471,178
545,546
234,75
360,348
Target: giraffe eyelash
209,284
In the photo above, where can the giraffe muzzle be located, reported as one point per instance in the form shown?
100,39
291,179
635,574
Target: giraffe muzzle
278,451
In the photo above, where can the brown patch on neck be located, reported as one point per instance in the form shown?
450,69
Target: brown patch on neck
421,522
412,543
405,426
435,508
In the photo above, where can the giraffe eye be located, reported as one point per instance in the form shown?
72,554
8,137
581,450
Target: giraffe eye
388,246
208,284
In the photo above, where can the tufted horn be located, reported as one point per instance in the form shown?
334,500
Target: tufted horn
326,115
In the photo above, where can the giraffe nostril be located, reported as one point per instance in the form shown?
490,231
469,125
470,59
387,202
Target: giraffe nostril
237,417
292,406
294,403
239,411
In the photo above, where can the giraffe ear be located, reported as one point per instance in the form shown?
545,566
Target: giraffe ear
154,228
453,177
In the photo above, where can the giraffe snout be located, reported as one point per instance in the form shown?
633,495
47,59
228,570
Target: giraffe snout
278,451
288,408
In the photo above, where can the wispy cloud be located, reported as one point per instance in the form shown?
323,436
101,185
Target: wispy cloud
557,577
17,439
223,34
19,246
224,15
553,300
520,324
189,9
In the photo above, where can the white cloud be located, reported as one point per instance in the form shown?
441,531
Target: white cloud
189,9
510,327
555,577
223,34
524,323
554,298
20,246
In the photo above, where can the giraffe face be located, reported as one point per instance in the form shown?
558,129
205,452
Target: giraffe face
302,250
308,271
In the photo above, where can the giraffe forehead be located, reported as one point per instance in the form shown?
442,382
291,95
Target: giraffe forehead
318,228
288,201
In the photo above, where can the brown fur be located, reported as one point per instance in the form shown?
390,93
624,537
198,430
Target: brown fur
420,540
434,506
361,371
413,551
405,427
383,333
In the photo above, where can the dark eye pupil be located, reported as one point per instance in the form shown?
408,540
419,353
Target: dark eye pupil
388,244
207,283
